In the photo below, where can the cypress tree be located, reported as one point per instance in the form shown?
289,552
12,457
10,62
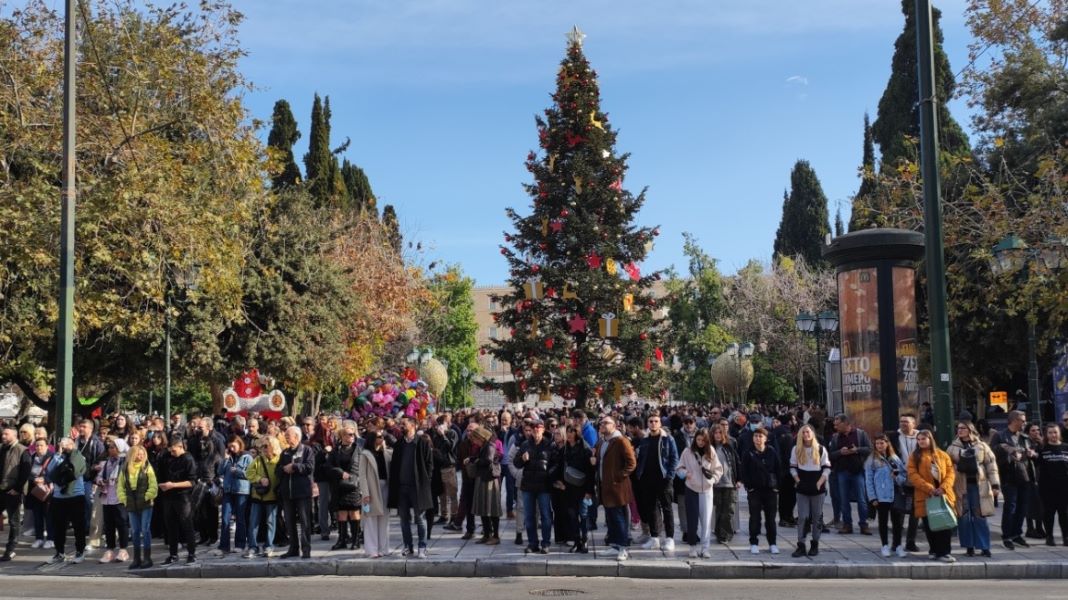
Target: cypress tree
898,117
862,216
320,165
392,227
280,142
358,189
839,226
804,222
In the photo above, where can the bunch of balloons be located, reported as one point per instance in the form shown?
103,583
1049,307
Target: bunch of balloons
391,394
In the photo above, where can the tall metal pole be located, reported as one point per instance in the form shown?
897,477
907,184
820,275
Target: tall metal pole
1032,372
819,366
167,362
65,329
932,223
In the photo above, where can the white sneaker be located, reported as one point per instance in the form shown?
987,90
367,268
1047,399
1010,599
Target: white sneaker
623,555
37,544
754,549
901,552
49,544
773,549
651,544
693,552
421,553
668,545
108,557
610,552
706,553
885,551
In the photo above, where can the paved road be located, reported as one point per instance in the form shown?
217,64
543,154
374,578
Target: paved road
523,587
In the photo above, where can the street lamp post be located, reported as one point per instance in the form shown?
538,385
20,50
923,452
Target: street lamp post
816,325
187,279
1013,256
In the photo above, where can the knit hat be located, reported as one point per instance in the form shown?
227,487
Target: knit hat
121,446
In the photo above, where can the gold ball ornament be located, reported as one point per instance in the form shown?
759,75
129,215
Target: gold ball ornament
436,376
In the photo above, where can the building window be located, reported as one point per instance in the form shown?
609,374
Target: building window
493,333
493,365
492,304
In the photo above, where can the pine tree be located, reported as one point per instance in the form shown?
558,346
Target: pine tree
862,216
392,227
804,222
898,117
320,165
580,312
358,189
280,142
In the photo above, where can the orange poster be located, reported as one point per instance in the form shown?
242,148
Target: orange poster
858,303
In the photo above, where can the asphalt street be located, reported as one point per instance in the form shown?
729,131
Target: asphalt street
586,588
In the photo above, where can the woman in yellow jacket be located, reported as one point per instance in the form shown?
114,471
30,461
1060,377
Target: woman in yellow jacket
263,479
137,489
931,473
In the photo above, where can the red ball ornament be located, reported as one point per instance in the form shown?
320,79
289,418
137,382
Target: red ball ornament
656,231
507,238
598,390
564,213
643,336
535,269
504,251
590,310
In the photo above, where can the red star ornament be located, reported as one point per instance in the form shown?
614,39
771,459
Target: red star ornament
577,324
556,225
594,261
574,140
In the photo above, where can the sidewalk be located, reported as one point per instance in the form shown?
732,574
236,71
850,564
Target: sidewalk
841,556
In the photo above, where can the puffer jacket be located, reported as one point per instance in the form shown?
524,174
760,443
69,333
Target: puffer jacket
539,466
986,479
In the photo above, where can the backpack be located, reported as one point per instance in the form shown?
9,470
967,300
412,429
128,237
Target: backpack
969,462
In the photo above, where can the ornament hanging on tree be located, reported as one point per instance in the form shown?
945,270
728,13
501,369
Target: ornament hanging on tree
593,260
534,289
534,327
628,302
633,270
545,226
552,162
659,355
569,292
577,324
574,140
574,359
578,184
556,225
594,121
617,390
549,344
605,154
610,266
648,365
608,325
616,186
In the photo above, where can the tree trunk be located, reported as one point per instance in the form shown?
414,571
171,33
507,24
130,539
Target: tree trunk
216,399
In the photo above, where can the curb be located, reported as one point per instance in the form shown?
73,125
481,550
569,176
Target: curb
637,569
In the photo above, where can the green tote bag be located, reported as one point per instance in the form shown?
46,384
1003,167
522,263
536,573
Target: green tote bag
940,515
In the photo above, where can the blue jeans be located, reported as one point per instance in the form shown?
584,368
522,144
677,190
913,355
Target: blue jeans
1015,510
974,531
261,510
141,528
615,518
406,505
543,502
233,505
850,484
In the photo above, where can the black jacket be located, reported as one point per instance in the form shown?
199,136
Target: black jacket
297,484
423,464
17,465
760,470
176,470
539,466
344,459
444,448
576,457
92,451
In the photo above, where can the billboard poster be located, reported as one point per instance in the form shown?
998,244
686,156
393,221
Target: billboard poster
908,360
1060,386
858,304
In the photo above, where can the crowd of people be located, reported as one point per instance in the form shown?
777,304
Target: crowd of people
248,486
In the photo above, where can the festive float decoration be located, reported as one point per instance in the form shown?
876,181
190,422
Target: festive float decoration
247,395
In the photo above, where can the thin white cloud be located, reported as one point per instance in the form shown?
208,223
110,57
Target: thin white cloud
797,80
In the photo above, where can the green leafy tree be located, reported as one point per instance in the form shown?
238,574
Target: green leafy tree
392,228
169,168
804,223
580,251
280,142
897,119
696,308
448,326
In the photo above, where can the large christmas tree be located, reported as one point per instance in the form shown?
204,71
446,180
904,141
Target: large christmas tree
580,319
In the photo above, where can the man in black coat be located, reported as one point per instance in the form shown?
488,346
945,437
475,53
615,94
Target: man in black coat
760,474
409,484
15,466
295,468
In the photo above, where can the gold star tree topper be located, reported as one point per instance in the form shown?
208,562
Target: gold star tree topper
575,36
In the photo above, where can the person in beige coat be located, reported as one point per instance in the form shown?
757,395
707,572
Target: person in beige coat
374,488
701,468
975,487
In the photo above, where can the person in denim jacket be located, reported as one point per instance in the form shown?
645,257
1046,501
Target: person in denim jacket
884,473
233,470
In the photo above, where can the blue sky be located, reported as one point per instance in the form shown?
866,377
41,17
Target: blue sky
715,100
